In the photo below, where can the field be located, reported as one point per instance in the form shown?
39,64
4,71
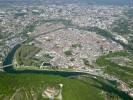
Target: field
23,86
25,54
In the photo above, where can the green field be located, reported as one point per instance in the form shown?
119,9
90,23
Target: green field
23,86
73,89
63,21
25,55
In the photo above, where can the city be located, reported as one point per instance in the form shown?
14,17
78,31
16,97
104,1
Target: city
93,40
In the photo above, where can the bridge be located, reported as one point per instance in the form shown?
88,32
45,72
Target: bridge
1,67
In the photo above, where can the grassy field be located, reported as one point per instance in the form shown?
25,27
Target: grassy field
24,55
28,84
63,21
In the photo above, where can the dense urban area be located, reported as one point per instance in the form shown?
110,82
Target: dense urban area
93,40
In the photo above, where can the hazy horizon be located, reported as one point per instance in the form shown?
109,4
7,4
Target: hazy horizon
108,2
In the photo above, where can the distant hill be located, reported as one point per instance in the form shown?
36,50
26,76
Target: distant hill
101,2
